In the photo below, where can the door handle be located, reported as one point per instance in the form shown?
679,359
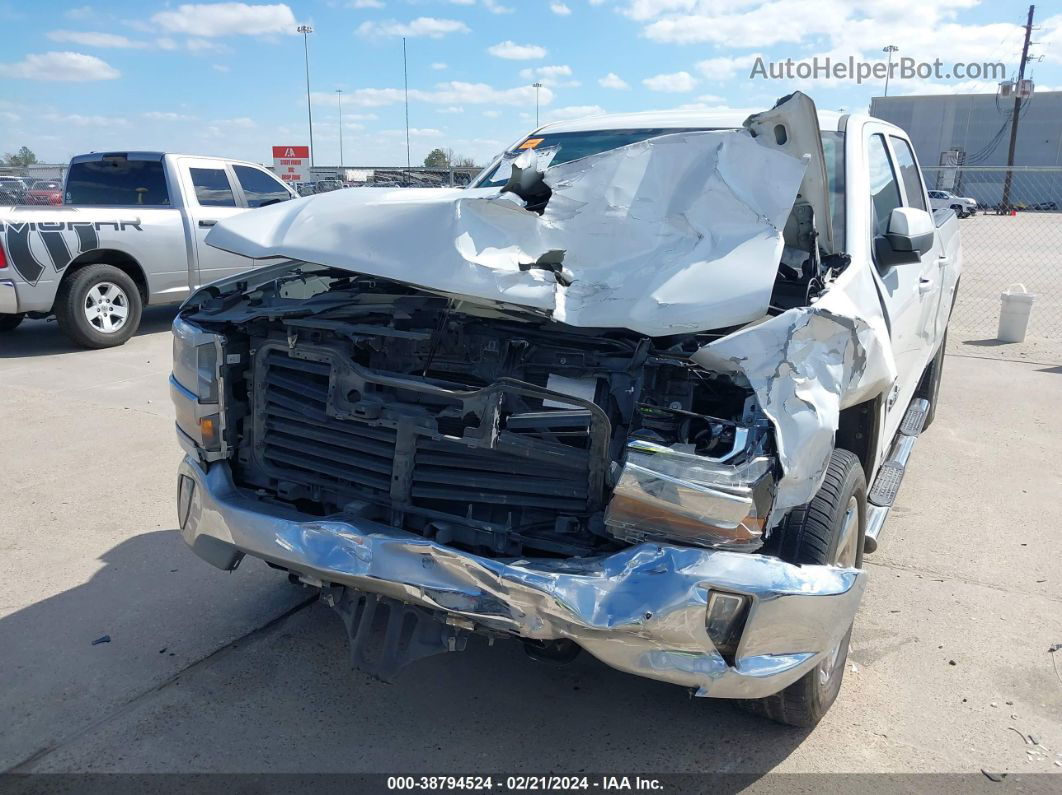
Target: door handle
925,285
207,224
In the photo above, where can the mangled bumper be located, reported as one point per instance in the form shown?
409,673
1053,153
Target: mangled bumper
640,610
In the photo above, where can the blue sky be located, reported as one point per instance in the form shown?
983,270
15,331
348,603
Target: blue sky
228,79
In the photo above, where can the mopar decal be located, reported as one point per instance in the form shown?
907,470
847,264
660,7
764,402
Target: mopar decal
30,245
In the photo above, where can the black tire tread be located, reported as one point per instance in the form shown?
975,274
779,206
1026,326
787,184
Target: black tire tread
71,319
10,322
806,536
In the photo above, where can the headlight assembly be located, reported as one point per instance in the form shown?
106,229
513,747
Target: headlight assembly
195,388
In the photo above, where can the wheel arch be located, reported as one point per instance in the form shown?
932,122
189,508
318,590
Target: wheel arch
119,259
859,432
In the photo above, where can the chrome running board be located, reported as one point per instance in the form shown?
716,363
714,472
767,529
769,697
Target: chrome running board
890,474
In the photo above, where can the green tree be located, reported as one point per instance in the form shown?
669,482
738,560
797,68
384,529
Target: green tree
437,158
24,157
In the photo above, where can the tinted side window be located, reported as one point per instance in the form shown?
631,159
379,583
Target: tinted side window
259,187
912,180
833,149
212,187
884,190
116,181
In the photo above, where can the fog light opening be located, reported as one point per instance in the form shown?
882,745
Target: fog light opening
725,621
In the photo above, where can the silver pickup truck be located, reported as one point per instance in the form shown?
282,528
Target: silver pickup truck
646,389
130,233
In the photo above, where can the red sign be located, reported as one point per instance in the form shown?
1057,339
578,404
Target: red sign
289,162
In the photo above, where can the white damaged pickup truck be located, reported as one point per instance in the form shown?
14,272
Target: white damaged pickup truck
648,389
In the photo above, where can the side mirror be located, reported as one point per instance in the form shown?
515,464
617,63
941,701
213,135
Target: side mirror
911,230
909,236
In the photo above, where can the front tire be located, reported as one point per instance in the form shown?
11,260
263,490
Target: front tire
98,306
829,530
10,322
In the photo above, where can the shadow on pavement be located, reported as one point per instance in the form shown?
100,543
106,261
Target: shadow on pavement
42,337
285,699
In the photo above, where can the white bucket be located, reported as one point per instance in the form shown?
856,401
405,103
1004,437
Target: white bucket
1015,308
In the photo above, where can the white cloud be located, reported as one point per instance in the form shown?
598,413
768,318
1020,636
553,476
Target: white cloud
78,120
220,67
79,12
492,114
516,52
496,8
227,19
165,115
438,66
95,39
452,109
414,132
421,26
60,67
560,9
613,80
574,112
725,68
549,75
453,93
366,4
674,82
560,70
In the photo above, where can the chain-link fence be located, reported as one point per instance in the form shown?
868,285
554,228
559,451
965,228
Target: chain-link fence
1014,236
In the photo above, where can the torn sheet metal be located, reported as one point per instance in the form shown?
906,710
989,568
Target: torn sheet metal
666,493
641,609
678,233
805,365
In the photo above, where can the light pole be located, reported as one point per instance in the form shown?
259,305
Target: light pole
890,49
536,86
339,91
306,30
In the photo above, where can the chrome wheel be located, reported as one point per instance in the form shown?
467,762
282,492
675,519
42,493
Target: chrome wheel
845,557
106,307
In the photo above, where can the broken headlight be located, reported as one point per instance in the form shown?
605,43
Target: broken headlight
669,494
194,385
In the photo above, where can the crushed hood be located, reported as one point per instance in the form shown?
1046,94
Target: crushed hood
678,233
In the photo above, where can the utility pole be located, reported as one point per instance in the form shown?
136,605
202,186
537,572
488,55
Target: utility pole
1005,204
306,30
339,92
405,82
890,49
536,86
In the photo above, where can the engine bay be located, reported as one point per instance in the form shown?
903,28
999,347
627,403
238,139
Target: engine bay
487,428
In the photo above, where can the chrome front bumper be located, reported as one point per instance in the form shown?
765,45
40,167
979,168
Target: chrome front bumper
640,610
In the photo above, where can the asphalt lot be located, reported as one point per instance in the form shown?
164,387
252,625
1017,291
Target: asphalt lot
208,671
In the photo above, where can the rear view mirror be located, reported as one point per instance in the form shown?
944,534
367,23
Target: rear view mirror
909,236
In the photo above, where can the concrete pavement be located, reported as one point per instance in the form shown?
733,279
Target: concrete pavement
208,671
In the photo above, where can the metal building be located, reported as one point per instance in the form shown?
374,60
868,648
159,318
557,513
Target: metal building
972,132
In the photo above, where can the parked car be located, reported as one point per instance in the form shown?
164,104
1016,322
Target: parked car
131,234
942,200
45,191
327,185
1044,206
647,388
13,188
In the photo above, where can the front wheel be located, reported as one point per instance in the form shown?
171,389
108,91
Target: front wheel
829,530
98,306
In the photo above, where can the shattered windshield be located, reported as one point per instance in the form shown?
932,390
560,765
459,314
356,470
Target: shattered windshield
572,146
